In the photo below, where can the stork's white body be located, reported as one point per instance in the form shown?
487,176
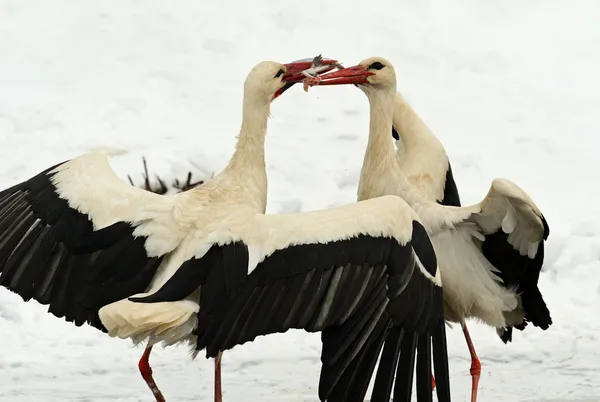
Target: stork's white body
499,236
423,160
416,172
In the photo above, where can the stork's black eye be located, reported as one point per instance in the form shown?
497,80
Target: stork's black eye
279,74
376,66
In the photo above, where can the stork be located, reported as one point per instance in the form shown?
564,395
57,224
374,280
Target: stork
490,253
207,266
86,194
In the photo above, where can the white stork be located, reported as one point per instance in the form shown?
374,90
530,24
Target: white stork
490,253
107,200
207,266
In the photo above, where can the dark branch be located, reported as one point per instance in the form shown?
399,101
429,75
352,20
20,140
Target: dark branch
162,187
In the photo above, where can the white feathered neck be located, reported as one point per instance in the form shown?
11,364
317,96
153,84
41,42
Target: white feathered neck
421,156
246,173
381,173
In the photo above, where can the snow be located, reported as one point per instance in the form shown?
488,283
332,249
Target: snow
510,88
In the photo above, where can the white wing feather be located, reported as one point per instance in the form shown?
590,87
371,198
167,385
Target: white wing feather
508,207
91,187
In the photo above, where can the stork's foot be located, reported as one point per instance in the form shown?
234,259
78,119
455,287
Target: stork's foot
432,383
475,374
146,372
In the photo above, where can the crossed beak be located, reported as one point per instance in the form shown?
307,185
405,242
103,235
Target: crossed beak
295,69
349,75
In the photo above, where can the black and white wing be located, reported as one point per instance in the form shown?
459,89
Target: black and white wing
350,272
76,237
515,231
511,231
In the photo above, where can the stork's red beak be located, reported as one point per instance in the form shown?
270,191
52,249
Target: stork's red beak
349,75
294,72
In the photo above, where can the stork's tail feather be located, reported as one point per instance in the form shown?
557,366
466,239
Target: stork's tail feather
162,321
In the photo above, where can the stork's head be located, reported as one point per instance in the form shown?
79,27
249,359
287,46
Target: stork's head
269,79
372,74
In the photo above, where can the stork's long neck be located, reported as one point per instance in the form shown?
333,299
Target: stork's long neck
381,174
247,167
422,156
380,169
381,117
411,129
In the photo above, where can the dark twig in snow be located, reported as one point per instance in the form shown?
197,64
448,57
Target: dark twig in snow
162,187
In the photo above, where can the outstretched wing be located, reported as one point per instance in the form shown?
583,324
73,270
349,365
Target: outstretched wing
349,272
508,208
399,343
76,237
514,231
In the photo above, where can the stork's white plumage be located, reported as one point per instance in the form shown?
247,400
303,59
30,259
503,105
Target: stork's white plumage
490,253
98,201
207,266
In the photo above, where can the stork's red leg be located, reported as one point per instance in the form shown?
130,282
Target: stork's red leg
146,371
218,393
475,363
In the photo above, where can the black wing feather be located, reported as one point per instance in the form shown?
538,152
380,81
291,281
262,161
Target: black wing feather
360,327
353,385
424,391
382,389
50,252
351,290
451,196
516,271
416,313
523,273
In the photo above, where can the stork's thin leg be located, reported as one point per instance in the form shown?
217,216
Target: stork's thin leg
475,363
146,371
218,393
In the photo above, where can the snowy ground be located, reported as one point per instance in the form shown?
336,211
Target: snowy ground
510,87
